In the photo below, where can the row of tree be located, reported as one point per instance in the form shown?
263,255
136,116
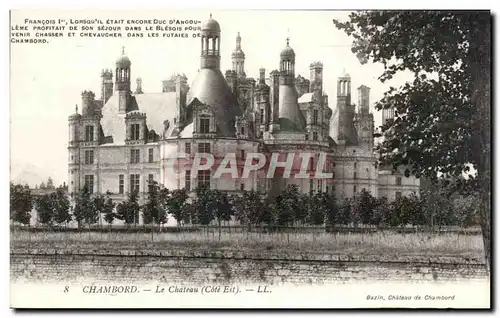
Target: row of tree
289,209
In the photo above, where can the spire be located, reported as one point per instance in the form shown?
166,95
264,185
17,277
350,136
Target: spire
238,41
123,50
76,108
210,15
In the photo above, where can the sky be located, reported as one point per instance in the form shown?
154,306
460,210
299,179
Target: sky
47,79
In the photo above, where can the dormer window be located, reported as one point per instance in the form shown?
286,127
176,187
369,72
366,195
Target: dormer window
204,124
89,133
134,131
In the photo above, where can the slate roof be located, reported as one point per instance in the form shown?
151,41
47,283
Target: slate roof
157,106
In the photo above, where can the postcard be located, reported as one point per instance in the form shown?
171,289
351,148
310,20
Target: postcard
250,159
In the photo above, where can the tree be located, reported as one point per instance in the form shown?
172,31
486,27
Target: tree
318,209
61,206
84,211
363,207
416,211
176,205
221,207
381,212
303,211
203,205
109,210
152,210
448,101
98,206
332,212
248,208
344,214
21,203
45,211
128,211
436,207
466,210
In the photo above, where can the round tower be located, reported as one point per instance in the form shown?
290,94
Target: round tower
210,44
74,122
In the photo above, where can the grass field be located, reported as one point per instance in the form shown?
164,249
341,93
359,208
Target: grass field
451,244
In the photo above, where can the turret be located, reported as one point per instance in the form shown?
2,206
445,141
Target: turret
316,80
238,58
363,99
346,130
181,89
122,84
290,115
274,99
138,89
231,80
365,124
106,85
88,103
263,105
210,44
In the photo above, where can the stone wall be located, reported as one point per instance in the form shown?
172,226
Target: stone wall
223,267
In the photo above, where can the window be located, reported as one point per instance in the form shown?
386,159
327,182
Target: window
354,189
151,154
89,157
187,184
307,137
311,186
315,116
327,189
135,156
261,116
204,125
242,187
187,147
320,185
398,194
311,164
242,130
242,154
89,133
204,178
398,181
355,175
121,184
315,135
134,182
204,147
134,132
355,165
89,182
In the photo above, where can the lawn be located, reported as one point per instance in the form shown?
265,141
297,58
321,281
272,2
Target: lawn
358,244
